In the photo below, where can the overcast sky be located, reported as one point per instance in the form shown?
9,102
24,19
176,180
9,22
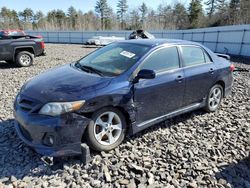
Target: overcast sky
84,5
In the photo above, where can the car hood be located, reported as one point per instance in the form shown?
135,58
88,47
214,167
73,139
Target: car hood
65,83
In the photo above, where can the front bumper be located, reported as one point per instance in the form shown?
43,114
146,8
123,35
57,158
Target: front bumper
37,131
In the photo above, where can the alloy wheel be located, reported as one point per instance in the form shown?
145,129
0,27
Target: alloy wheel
215,98
107,128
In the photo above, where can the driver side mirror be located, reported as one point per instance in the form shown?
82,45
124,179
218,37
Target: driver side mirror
144,74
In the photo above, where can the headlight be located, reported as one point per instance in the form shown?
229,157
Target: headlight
57,108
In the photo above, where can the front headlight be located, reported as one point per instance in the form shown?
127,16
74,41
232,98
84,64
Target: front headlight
57,108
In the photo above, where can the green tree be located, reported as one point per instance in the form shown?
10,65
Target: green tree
234,11
39,20
38,16
102,9
107,20
122,8
211,7
90,21
152,19
166,20
6,17
15,20
180,16
73,17
245,11
135,20
195,12
27,15
51,18
60,18
144,10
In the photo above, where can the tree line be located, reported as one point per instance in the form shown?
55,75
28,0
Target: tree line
166,16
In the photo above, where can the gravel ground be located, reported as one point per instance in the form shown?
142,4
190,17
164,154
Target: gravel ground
193,150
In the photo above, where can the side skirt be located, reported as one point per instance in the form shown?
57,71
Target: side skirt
139,127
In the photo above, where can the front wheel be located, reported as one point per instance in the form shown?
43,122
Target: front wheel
214,98
106,130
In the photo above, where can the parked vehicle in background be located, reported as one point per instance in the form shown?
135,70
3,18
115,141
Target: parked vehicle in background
119,89
8,33
17,47
140,34
102,41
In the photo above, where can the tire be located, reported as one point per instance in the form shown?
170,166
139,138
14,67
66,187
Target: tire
214,98
24,59
105,133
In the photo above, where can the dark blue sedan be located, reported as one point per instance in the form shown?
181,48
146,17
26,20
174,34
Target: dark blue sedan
119,89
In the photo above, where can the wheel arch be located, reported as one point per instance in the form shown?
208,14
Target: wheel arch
222,83
127,114
21,49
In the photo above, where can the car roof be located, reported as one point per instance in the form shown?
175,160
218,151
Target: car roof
158,42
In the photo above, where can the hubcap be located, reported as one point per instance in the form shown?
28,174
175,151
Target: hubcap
215,98
107,128
25,59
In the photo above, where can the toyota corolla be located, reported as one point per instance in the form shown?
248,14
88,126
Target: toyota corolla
116,90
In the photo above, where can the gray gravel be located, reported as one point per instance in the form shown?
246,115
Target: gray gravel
193,150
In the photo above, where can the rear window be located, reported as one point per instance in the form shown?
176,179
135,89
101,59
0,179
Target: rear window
192,55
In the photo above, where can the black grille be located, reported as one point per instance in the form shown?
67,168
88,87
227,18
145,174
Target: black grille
28,105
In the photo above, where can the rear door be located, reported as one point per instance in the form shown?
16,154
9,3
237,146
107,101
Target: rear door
199,71
164,93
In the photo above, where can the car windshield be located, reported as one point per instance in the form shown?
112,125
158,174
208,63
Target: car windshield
114,59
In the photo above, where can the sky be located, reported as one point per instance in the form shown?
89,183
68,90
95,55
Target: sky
84,5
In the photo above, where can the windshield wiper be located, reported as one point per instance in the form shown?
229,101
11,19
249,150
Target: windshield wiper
89,69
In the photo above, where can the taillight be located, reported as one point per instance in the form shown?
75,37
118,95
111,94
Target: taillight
40,41
232,67
42,45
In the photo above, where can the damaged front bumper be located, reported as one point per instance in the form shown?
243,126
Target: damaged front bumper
51,136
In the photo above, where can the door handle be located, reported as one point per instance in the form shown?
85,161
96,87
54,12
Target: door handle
179,78
211,70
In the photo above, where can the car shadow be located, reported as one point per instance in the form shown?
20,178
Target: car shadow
236,174
19,160
5,65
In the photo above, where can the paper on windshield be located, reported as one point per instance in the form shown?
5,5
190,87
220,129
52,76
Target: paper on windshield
127,54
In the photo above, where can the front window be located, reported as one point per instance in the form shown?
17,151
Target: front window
114,59
162,60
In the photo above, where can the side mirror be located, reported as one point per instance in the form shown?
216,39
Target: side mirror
144,74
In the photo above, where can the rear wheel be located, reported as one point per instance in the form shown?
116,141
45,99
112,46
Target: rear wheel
214,98
24,59
107,130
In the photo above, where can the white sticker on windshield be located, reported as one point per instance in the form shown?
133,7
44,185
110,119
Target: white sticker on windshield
127,54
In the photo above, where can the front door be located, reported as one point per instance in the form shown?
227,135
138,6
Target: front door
164,93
